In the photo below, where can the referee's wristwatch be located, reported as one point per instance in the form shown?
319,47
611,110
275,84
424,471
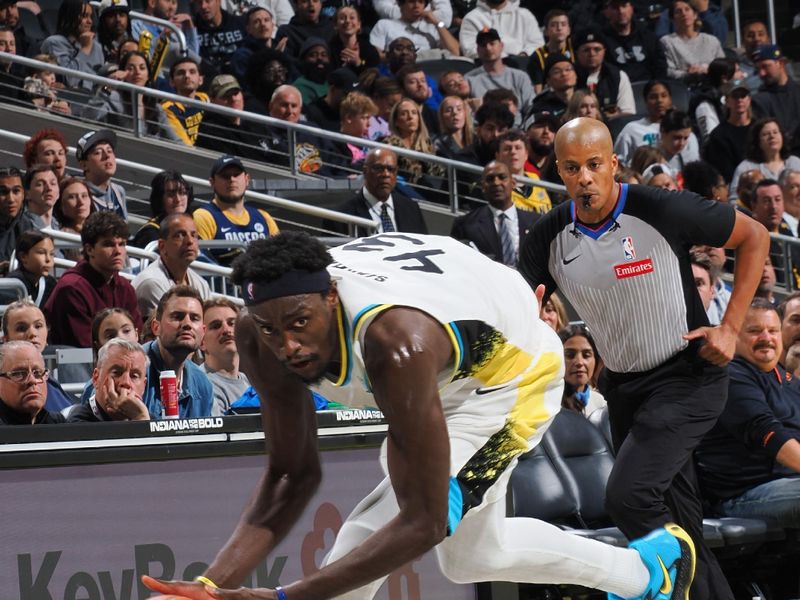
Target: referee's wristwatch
440,25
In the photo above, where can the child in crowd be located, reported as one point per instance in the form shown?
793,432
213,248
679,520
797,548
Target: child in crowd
35,252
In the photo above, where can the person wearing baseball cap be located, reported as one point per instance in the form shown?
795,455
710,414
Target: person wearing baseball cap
779,95
314,66
114,26
493,73
516,25
96,154
610,84
561,79
228,134
324,111
726,143
227,217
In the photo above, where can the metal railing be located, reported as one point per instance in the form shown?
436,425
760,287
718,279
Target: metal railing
184,48
214,274
783,249
269,199
449,166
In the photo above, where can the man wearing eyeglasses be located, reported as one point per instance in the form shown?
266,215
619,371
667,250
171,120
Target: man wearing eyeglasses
379,201
23,386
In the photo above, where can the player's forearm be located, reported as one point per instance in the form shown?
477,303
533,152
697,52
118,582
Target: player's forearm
388,549
269,516
750,257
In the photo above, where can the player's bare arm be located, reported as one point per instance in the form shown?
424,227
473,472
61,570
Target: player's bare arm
751,241
292,473
404,352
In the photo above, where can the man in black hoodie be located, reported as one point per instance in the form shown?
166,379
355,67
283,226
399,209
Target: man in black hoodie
307,22
632,48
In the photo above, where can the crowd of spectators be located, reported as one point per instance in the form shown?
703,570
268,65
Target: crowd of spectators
488,85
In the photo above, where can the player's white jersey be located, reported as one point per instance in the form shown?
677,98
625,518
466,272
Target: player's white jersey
487,309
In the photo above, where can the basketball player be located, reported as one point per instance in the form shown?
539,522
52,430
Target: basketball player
468,379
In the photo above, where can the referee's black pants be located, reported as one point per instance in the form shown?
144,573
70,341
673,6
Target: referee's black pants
658,418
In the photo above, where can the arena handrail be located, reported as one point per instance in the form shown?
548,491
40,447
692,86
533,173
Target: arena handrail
200,267
292,129
293,205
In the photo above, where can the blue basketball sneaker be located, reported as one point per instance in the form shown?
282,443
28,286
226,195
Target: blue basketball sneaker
669,556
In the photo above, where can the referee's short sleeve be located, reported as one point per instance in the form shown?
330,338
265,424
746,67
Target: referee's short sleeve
696,219
534,255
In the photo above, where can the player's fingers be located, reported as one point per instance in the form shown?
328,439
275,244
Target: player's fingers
539,293
156,585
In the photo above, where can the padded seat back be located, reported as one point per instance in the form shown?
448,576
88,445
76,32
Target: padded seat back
538,491
580,452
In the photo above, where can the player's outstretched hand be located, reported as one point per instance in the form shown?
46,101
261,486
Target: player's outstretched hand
719,343
178,590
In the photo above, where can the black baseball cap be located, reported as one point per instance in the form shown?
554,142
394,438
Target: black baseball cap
224,162
343,78
487,35
588,35
552,60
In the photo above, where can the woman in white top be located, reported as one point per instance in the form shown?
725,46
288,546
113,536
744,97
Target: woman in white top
766,150
688,50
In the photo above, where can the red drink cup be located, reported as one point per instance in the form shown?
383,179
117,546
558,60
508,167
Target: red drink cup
169,394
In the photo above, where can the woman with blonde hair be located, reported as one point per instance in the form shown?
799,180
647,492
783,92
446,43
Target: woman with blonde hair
583,104
409,131
455,124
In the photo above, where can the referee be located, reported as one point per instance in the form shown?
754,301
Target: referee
620,254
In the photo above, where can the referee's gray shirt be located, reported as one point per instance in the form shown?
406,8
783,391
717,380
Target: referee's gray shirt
629,277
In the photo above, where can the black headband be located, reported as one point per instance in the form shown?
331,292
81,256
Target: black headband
291,283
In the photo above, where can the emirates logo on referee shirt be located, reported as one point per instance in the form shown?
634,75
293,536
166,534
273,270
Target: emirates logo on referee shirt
634,269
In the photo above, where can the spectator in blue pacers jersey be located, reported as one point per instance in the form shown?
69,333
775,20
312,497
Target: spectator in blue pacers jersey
227,217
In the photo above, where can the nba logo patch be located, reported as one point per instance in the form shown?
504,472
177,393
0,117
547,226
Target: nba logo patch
628,249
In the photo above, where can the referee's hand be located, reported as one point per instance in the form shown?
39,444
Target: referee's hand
718,344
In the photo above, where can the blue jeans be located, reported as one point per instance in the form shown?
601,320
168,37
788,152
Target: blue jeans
779,499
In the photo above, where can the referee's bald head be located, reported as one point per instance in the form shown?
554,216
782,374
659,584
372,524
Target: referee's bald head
583,131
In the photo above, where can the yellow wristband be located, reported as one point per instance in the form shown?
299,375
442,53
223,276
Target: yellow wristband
205,580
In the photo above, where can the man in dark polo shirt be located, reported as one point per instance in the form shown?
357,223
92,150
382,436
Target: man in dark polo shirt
620,255
749,464
93,284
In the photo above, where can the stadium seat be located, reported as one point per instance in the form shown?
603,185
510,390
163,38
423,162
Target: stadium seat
539,492
599,418
581,451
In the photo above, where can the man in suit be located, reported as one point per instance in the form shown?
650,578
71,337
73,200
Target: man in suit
496,229
379,201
